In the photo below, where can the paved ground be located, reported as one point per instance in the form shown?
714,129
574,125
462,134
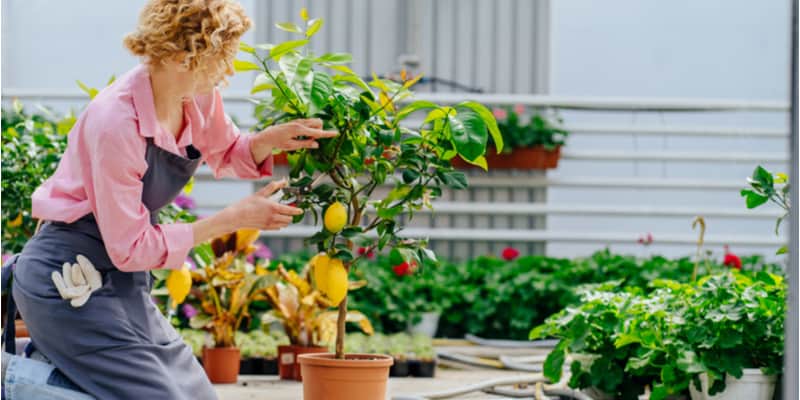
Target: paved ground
270,387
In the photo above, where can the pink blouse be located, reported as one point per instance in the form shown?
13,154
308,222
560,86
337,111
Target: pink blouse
104,162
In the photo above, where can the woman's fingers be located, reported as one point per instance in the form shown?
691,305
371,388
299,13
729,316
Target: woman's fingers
303,144
283,220
318,133
282,209
272,187
314,123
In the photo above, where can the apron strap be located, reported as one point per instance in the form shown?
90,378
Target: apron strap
9,332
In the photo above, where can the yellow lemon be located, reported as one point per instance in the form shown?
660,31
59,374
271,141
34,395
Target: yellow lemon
319,263
337,281
18,221
335,217
179,283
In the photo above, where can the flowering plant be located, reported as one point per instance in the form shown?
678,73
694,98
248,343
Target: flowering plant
540,130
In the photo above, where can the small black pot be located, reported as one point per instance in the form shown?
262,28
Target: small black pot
249,366
269,366
422,369
399,369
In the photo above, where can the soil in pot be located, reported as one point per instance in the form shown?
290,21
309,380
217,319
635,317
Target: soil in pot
399,369
357,377
221,364
269,366
422,368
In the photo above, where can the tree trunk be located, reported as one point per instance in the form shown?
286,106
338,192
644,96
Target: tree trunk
340,322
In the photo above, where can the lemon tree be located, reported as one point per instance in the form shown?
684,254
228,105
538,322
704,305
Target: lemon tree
378,145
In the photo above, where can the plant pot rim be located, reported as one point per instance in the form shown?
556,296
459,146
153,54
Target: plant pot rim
230,348
352,360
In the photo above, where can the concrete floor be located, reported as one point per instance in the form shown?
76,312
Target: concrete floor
270,387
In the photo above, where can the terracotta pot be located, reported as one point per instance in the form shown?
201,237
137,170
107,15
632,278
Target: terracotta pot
221,364
357,377
288,367
519,158
20,330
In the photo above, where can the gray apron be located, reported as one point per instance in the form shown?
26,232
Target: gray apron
117,345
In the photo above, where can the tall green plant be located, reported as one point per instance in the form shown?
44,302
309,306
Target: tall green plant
373,148
766,187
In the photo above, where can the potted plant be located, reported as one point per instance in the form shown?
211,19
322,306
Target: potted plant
225,286
532,145
423,363
372,149
399,347
302,311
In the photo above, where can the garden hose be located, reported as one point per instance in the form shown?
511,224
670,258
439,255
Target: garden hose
520,383
511,343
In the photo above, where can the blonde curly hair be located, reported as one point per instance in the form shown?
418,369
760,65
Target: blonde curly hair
202,35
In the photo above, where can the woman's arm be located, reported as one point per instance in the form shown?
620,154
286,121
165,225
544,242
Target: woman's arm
231,154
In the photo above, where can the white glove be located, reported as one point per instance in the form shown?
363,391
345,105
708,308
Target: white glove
77,281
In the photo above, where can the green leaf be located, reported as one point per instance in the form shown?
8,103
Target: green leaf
278,51
414,106
468,134
321,89
763,177
352,79
288,27
780,177
454,179
199,321
754,199
242,66
782,250
554,363
204,255
480,162
246,48
335,58
313,26
488,119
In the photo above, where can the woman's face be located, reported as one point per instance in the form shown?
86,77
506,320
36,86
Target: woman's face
206,79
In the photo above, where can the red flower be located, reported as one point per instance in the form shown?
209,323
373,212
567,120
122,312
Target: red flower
732,260
519,109
404,268
363,250
369,161
646,239
510,253
499,113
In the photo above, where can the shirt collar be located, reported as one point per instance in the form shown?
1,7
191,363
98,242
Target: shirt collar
142,93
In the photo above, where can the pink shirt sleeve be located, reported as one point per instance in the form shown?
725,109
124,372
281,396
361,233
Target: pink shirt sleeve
113,166
224,148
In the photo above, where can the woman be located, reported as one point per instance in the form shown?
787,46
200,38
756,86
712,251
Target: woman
129,154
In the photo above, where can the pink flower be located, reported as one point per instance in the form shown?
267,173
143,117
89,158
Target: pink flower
185,202
191,263
189,311
6,256
732,260
519,109
646,240
262,253
499,113
510,253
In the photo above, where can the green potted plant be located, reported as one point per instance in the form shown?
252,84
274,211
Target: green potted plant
372,148
532,145
225,285
423,357
399,348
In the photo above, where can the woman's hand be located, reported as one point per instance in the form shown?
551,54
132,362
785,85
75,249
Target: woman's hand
295,135
255,211
261,212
